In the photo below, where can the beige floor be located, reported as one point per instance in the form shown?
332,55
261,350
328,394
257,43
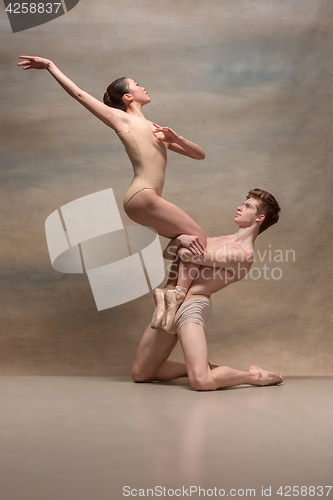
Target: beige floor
80,438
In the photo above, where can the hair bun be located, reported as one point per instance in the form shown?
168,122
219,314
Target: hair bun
113,96
106,98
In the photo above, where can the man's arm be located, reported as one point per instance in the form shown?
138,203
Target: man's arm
189,241
222,257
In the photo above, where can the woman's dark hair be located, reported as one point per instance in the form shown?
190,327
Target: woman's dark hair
113,96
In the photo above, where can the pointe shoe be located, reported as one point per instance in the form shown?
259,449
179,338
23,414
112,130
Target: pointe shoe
172,303
159,308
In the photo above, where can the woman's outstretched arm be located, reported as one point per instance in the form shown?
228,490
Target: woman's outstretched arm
114,118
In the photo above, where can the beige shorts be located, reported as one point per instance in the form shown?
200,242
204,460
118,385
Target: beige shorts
196,310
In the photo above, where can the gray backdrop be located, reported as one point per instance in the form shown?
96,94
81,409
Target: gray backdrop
250,81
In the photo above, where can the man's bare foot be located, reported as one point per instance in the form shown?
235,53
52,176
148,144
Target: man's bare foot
265,377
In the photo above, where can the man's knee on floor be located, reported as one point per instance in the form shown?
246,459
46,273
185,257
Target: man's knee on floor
201,381
139,374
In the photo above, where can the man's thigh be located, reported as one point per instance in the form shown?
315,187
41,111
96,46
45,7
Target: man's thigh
154,349
193,341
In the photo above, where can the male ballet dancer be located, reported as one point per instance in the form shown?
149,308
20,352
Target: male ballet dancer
227,260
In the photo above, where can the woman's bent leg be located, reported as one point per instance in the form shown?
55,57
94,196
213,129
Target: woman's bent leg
188,272
173,274
149,209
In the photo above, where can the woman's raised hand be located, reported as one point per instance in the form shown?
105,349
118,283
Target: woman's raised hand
34,62
169,135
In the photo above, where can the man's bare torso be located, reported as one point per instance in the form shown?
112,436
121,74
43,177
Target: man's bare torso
213,279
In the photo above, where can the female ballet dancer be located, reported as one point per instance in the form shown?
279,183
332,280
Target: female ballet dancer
146,145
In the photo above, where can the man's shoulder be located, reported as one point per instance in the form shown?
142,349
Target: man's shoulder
225,245
217,241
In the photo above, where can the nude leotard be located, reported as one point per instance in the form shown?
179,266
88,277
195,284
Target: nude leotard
148,157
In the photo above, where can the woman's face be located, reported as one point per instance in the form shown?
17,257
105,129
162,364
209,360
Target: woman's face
139,94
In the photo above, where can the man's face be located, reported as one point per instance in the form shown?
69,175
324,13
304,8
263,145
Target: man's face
246,214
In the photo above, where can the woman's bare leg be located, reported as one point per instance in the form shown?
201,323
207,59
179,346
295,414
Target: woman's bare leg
181,273
188,272
173,276
181,277
168,300
149,209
